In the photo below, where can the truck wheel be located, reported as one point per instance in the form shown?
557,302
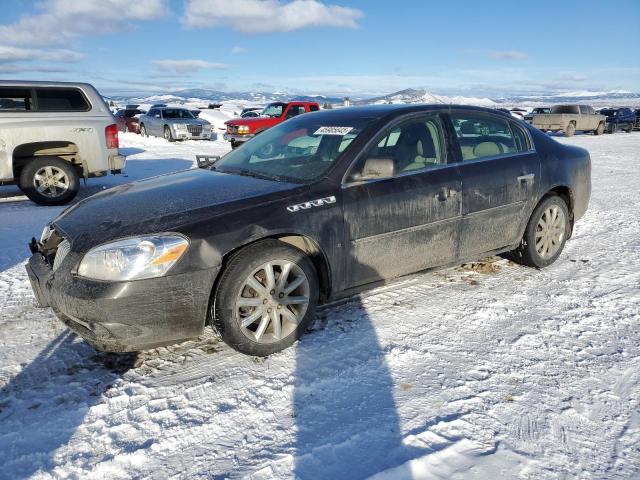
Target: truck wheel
629,128
49,181
599,130
143,130
570,130
168,136
234,144
266,298
545,235
613,128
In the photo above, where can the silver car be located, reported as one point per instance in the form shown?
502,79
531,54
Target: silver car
174,123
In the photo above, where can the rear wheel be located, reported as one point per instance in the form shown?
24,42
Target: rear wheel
49,181
546,234
570,130
266,298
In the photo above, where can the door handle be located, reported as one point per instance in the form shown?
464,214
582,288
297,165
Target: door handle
528,178
444,194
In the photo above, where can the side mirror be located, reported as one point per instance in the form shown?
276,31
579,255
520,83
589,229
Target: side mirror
375,168
207,161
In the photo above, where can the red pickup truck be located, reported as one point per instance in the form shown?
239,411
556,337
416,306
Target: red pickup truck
240,130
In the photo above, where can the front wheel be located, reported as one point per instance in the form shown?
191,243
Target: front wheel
599,130
613,128
266,298
629,128
49,181
143,130
168,136
546,234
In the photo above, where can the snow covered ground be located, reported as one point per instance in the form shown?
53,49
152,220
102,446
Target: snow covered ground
490,370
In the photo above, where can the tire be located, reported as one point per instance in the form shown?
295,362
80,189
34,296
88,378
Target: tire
629,128
261,337
234,145
168,136
528,253
123,128
49,181
570,130
613,128
143,130
599,130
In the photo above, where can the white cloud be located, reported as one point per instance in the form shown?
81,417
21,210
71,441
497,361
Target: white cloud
187,66
263,16
237,50
64,20
507,54
14,54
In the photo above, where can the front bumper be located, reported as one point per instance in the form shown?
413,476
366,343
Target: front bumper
182,135
235,138
123,316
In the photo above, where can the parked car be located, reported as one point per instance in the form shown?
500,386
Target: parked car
312,210
251,112
51,135
569,119
637,124
174,124
518,112
127,119
239,130
619,119
536,111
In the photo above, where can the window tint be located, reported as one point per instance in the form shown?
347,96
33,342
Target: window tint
313,108
153,112
412,145
482,136
15,99
61,99
565,109
295,110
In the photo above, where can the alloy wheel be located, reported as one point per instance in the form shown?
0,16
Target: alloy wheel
550,232
51,181
272,301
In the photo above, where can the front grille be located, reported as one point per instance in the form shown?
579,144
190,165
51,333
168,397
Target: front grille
63,250
232,129
194,129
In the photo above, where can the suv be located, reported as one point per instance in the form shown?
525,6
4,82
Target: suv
51,134
174,123
240,130
569,118
619,118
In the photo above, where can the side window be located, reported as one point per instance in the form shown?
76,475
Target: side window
483,136
313,108
61,100
16,99
413,145
584,110
295,110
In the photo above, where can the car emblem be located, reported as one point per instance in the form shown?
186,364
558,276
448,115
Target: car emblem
313,203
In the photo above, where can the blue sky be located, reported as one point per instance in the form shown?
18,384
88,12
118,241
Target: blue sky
489,48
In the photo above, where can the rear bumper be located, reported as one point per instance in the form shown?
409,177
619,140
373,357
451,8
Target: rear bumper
117,163
123,316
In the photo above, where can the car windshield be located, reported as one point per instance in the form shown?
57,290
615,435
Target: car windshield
565,109
274,110
177,113
299,151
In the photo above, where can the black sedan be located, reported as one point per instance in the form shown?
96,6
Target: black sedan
311,210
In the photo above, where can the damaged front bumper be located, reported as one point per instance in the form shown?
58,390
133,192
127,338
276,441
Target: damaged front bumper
122,316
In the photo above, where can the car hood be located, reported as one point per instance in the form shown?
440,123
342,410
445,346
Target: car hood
162,204
251,121
187,121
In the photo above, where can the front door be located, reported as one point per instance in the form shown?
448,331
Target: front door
406,219
500,173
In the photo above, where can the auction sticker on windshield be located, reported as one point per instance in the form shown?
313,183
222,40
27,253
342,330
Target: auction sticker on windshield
333,130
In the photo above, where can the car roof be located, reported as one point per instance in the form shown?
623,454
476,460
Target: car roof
383,110
27,83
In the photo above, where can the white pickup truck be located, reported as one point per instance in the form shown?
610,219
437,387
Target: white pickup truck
51,135
569,119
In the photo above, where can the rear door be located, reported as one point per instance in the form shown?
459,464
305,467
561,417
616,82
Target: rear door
407,220
500,171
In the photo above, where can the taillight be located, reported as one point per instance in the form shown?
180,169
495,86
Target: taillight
111,135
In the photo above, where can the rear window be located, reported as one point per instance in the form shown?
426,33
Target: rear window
15,99
61,100
313,108
565,109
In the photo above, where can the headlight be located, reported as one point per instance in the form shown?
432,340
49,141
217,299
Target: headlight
180,126
243,129
133,258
